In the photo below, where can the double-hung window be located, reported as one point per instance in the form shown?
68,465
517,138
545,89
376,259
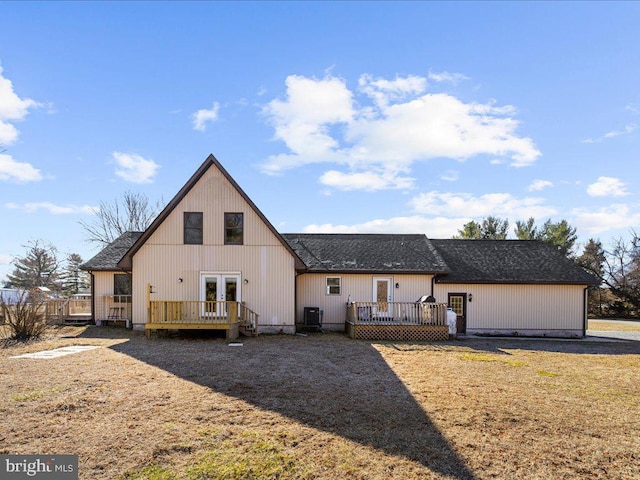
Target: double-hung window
333,285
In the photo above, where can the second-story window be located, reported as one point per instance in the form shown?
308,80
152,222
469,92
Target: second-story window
233,228
193,228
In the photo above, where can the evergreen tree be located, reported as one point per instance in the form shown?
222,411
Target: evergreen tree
593,259
471,230
560,235
493,228
526,230
73,280
38,268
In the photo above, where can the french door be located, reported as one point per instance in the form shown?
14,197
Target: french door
217,288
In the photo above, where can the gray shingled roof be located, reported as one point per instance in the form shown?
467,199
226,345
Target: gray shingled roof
108,258
371,253
508,261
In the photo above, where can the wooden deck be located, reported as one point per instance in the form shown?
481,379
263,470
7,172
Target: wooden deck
233,317
406,321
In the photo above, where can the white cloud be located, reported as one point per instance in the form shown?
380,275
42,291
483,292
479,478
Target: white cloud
20,172
12,109
607,218
382,91
51,208
445,76
302,121
630,128
202,117
607,187
468,205
450,176
368,181
538,185
394,125
437,227
134,168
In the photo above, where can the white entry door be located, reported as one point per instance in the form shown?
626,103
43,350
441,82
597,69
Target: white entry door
219,287
382,294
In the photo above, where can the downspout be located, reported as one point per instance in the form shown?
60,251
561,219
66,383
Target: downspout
93,297
584,311
433,280
295,302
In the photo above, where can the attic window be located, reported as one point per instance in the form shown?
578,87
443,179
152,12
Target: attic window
233,228
193,228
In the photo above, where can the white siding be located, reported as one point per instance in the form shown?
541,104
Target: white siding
311,292
520,307
102,285
262,260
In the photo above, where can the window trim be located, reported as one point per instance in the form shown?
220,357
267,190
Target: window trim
118,297
328,287
226,241
185,228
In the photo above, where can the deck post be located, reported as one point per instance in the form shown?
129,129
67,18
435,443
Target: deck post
232,311
149,319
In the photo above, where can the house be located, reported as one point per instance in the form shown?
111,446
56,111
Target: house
211,259
110,285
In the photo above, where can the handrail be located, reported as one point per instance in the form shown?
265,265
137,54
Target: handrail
248,318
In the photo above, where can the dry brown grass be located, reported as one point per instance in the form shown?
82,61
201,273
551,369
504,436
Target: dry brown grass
326,407
600,326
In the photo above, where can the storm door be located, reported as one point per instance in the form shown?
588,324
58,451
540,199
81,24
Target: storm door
458,303
382,294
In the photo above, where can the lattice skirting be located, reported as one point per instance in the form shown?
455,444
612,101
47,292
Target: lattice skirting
409,333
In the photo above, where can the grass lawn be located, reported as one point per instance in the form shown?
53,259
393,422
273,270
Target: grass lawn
325,407
614,326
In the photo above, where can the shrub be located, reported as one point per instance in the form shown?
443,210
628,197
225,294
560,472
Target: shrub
25,315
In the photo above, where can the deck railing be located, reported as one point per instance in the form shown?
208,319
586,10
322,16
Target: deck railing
59,310
248,318
197,312
396,313
116,307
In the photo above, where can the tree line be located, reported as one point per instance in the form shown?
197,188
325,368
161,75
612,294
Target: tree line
617,268
40,266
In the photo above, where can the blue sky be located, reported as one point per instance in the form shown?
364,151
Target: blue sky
334,117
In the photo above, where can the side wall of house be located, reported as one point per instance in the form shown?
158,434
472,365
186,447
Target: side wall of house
311,292
521,309
265,266
102,285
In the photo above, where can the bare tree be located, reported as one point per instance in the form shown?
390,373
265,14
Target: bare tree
131,213
622,270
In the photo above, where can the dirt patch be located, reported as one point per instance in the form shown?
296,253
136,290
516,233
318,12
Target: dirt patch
325,406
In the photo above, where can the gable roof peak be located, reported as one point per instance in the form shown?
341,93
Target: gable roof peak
210,161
